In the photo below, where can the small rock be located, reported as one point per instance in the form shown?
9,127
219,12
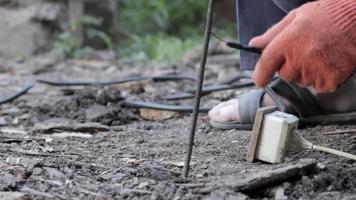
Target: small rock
54,173
13,160
321,166
37,171
329,196
25,162
97,111
63,125
3,122
113,177
49,140
8,181
279,194
18,171
226,194
160,174
143,185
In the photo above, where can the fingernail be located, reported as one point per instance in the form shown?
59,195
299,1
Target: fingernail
251,42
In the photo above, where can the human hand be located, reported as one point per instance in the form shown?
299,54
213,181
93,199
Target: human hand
314,45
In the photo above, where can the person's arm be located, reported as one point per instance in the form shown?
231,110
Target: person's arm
314,45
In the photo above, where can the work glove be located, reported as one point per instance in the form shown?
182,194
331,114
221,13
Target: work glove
314,45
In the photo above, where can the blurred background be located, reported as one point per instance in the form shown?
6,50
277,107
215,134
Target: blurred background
138,30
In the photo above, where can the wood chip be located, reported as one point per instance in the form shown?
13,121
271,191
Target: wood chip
13,196
49,127
37,193
349,131
157,115
13,131
260,180
71,135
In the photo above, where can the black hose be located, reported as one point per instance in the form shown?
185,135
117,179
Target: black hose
158,106
218,87
103,83
207,90
127,80
17,95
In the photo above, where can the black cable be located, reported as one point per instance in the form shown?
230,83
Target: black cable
158,106
238,46
127,80
207,90
17,95
220,87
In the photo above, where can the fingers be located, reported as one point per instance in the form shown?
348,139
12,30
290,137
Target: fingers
270,61
263,40
328,81
288,73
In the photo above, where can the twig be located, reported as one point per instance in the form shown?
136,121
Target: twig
335,152
37,193
193,185
81,164
90,192
128,191
340,132
33,153
260,180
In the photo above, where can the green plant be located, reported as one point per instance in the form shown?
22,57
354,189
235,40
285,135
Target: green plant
163,30
68,45
161,16
157,48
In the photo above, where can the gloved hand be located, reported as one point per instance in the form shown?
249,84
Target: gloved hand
314,45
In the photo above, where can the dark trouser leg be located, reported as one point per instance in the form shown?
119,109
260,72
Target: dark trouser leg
288,5
254,18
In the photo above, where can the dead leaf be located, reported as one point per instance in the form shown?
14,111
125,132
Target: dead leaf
13,196
71,134
157,115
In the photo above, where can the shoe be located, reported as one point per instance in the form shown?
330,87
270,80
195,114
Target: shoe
302,102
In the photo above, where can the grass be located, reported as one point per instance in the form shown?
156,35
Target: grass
157,48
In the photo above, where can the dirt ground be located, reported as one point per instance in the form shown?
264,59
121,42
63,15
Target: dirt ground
83,143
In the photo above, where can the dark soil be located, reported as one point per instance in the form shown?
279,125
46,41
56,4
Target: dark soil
122,155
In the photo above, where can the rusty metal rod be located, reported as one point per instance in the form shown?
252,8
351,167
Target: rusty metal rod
208,27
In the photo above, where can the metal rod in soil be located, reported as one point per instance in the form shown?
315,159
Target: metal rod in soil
208,27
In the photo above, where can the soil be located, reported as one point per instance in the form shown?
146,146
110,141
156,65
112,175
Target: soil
84,143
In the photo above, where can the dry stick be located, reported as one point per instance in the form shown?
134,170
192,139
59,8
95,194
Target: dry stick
209,22
308,145
258,180
335,152
340,132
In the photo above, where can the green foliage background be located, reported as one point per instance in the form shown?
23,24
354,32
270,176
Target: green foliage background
171,17
159,30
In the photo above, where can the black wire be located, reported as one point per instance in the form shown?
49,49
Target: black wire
17,95
127,80
238,46
158,106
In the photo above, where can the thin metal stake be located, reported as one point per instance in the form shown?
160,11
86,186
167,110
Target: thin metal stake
208,27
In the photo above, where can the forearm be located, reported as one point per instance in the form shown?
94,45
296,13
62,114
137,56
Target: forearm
343,15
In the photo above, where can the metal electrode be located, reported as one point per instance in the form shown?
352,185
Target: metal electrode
209,22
